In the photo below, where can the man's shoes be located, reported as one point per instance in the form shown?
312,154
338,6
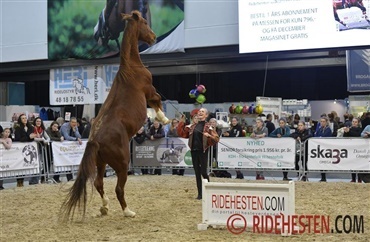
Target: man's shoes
322,180
353,180
1,188
359,180
199,197
286,179
304,178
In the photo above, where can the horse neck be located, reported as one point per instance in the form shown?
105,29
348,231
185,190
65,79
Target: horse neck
129,55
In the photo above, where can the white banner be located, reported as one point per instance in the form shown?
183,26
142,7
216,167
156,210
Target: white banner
275,153
223,201
68,153
339,154
80,85
21,156
266,26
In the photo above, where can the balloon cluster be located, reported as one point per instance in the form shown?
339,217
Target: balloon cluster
239,109
197,93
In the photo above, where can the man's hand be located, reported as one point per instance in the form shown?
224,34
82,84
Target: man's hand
79,141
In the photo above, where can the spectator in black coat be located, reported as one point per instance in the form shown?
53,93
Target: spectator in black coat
269,124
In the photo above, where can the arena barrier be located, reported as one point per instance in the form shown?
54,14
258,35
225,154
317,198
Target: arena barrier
341,155
21,160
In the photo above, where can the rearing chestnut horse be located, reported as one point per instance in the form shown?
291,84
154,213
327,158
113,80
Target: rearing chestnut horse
119,119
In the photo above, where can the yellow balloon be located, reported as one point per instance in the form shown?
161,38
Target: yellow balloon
259,109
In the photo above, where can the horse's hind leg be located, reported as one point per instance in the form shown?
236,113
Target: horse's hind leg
121,172
121,181
99,185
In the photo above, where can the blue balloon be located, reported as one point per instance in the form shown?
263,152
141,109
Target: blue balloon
193,93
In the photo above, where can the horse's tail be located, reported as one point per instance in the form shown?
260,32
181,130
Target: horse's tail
77,194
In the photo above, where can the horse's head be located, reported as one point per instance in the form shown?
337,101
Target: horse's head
145,33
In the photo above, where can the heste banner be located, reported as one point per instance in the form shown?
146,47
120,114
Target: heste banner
239,204
256,153
162,152
358,70
68,153
81,85
21,156
344,154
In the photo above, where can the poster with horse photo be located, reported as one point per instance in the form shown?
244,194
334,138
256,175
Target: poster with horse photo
93,29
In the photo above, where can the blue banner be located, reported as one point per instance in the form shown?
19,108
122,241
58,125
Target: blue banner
358,70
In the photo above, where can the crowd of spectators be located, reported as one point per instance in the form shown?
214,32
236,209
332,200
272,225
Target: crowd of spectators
329,125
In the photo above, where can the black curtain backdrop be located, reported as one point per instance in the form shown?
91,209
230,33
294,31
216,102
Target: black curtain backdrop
324,83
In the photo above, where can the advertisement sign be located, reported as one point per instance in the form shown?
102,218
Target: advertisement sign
275,153
93,29
242,202
21,157
266,26
81,85
68,153
358,70
339,154
162,152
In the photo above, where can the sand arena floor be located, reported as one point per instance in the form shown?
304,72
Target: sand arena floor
166,211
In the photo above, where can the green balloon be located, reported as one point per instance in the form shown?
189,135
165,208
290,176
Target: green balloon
187,158
201,98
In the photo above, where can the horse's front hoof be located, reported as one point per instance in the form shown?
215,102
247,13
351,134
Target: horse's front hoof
128,213
104,211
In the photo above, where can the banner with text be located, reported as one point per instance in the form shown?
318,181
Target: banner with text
162,152
339,154
283,25
358,70
81,85
240,203
274,153
21,156
68,153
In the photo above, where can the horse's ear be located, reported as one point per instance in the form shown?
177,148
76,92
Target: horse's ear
136,15
125,16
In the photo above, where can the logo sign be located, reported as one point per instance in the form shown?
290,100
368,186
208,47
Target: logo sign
236,204
339,154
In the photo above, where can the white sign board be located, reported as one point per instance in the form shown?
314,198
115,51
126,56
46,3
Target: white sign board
20,158
81,85
240,152
266,26
339,154
251,201
68,153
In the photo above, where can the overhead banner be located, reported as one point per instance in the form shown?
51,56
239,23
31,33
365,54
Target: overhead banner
21,156
162,152
358,70
93,29
266,26
81,85
339,154
68,153
275,153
